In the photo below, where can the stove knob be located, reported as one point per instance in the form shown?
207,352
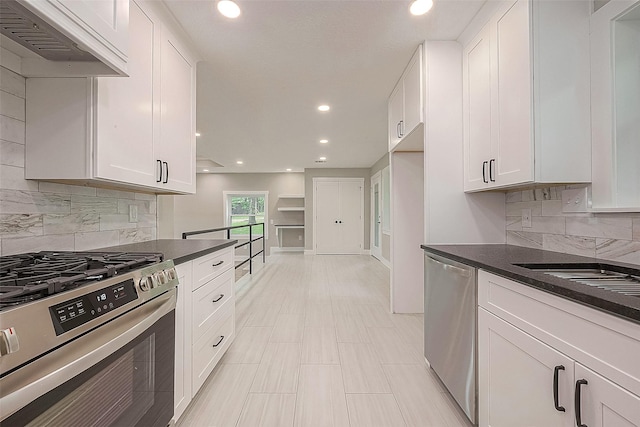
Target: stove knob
171,274
145,284
161,278
155,280
8,341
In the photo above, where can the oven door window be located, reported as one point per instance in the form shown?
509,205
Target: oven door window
132,387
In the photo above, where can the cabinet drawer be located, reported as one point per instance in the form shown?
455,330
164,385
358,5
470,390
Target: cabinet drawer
208,350
207,267
209,299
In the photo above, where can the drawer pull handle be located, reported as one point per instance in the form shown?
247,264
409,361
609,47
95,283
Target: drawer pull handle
215,264
578,402
556,370
219,298
218,343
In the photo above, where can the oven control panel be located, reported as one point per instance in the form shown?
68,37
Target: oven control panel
76,312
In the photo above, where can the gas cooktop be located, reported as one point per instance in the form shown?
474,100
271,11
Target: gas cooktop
31,276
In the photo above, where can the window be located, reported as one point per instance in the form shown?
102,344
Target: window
246,207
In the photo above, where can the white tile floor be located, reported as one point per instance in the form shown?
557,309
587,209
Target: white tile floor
316,346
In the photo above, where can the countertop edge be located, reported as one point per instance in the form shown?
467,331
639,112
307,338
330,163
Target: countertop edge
581,294
179,251
202,252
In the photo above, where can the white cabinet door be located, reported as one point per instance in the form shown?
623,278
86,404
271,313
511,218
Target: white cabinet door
405,107
182,382
603,403
177,117
477,110
412,87
396,102
124,112
512,155
516,378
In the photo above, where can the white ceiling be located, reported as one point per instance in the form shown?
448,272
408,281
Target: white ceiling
263,75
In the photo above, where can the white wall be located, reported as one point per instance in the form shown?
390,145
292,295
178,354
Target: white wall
407,223
38,215
451,215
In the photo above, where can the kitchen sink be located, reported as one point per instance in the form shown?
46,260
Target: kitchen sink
602,276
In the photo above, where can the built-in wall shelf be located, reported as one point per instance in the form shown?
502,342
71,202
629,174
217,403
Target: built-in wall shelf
291,196
292,209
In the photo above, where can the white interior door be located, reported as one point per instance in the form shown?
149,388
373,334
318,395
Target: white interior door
327,209
338,215
376,216
350,222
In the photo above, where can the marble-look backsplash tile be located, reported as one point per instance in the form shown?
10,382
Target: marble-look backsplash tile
606,236
38,215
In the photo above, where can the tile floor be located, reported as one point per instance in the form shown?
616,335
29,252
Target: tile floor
316,346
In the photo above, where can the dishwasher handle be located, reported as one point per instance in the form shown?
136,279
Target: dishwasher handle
460,271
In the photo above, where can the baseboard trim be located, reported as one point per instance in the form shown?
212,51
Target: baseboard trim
276,249
309,252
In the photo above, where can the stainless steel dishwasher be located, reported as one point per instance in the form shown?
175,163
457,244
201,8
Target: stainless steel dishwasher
450,307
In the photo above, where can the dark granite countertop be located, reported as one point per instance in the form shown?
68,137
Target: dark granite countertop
178,250
502,260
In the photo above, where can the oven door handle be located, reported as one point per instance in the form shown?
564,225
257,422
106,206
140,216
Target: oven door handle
53,369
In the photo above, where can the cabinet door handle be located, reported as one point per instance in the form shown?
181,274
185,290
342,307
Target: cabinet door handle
401,128
159,162
484,172
492,167
215,264
222,296
556,370
578,400
166,177
398,129
218,343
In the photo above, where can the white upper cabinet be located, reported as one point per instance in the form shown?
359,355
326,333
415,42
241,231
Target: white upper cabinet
405,106
100,28
176,148
526,96
131,132
615,107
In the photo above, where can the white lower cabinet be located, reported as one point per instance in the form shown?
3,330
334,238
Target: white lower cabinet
545,361
182,375
205,322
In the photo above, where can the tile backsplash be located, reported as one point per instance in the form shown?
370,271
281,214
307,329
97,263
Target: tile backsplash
614,236
38,215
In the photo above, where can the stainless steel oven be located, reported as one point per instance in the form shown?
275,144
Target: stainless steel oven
101,354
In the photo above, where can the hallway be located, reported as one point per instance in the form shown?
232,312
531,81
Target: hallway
316,346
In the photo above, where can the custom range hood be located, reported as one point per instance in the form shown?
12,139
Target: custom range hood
52,38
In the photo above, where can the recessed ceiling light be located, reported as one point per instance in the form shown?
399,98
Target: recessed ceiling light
420,7
197,133
323,158
324,141
240,162
324,108
228,8
288,169
205,170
